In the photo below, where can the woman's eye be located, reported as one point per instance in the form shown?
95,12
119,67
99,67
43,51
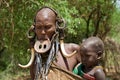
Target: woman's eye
87,56
39,28
48,27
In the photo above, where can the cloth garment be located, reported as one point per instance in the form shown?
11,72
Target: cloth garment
78,70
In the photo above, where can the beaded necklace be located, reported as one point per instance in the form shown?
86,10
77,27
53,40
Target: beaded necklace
84,75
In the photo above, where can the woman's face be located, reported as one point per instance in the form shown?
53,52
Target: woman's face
45,24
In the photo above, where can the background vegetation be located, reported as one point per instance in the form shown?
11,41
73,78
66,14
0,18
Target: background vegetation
84,18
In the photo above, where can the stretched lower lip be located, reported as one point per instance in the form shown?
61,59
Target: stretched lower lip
43,39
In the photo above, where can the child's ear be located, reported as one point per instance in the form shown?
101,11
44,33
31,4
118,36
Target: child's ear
99,54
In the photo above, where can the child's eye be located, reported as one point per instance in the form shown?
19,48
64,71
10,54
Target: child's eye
87,55
82,54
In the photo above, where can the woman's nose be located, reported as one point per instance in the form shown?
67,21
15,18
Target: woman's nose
43,31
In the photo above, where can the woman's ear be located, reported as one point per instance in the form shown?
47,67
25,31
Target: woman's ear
99,58
31,32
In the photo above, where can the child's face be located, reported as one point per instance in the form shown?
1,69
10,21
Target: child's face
88,56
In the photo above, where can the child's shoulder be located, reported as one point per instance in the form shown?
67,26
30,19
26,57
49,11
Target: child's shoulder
99,73
98,69
78,66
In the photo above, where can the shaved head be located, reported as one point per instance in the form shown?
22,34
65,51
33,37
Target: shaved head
94,43
45,13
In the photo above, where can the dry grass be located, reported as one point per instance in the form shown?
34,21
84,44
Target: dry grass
112,59
21,75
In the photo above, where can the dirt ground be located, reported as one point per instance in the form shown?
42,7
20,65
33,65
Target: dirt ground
27,77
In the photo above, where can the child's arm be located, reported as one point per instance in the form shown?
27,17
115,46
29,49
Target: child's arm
75,70
99,74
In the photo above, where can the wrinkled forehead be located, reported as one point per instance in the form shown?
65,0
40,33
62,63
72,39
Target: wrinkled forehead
45,13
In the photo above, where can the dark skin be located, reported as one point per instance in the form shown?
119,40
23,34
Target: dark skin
91,51
45,27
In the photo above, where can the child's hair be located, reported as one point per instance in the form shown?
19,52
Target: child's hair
95,43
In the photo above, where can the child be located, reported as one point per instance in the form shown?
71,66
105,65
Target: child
91,51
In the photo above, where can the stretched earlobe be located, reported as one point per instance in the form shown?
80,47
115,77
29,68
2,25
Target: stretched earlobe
99,58
61,25
31,33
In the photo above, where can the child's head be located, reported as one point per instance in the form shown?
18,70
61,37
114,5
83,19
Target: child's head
91,51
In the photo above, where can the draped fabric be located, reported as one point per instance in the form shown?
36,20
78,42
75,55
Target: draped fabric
58,73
